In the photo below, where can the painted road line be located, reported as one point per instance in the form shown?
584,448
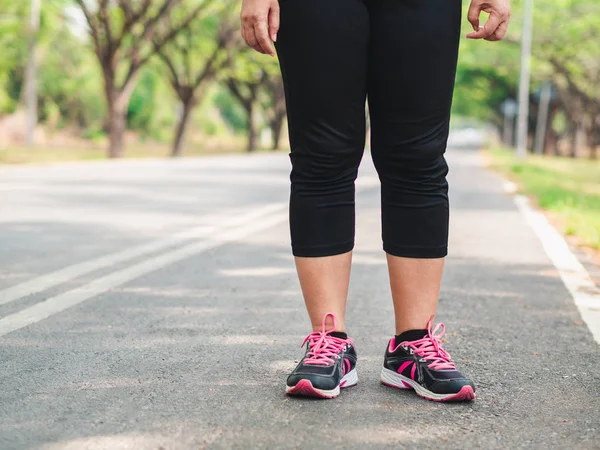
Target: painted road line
61,302
57,277
575,277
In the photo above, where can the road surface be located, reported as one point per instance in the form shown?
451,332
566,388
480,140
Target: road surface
154,305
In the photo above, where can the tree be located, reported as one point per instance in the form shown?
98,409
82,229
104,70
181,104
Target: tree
275,110
246,90
485,78
192,60
574,67
68,79
13,16
252,80
566,52
77,98
126,34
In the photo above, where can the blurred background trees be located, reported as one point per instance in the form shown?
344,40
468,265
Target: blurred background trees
175,74
192,60
566,56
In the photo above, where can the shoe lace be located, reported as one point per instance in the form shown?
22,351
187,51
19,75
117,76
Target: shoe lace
323,347
430,348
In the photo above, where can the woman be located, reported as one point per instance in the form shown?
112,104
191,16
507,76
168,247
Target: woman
401,55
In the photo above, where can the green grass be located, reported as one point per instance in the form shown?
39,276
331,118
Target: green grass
568,188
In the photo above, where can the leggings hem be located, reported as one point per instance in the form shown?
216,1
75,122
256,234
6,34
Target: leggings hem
323,250
416,252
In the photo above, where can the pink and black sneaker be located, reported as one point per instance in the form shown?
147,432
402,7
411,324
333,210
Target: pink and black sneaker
423,365
328,365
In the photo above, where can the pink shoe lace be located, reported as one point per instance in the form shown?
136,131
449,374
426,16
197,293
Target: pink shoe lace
430,348
323,347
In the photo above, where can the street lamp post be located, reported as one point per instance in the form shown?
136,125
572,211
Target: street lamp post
509,109
522,127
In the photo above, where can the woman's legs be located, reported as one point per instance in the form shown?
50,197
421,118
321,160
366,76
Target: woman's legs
324,284
415,286
410,48
413,54
412,65
322,48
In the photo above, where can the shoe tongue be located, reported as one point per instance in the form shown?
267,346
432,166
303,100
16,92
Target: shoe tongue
411,335
339,334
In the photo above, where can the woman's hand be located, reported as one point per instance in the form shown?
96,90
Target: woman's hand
260,24
497,24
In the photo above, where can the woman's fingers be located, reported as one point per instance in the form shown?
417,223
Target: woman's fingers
251,40
499,33
262,36
250,37
497,24
260,23
474,13
274,21
488,29
479,34
494,30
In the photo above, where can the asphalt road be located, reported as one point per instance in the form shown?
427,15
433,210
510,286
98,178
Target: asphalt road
154,305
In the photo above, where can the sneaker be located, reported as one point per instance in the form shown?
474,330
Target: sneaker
328,365
423,365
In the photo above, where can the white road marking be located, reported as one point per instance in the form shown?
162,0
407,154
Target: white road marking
57,277
243,225
61,302
574,275
365,182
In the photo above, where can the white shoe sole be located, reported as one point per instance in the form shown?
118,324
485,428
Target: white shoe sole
396,380
305,388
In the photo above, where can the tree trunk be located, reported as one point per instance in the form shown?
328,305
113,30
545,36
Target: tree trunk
279,111
594,128
573,145
117,101
276,128
556,147
550,134
118,123
573,141
592,139
252,132
188,106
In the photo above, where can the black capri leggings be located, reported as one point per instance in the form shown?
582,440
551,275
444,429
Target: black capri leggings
402,55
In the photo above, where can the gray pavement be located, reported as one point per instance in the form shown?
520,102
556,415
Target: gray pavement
187,345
